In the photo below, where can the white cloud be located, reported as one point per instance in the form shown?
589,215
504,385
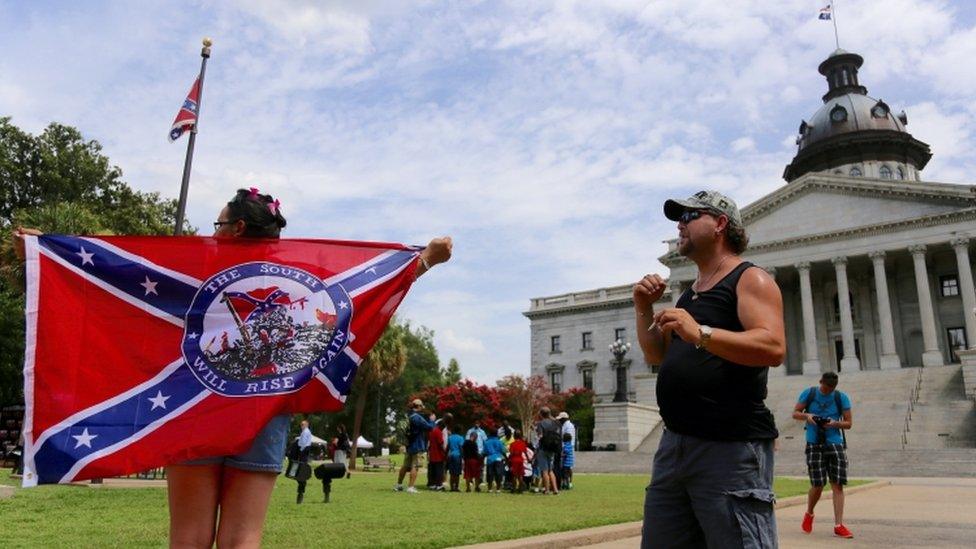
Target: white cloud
743,144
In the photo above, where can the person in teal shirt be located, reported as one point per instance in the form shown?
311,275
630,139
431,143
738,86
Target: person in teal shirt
454,457
495,459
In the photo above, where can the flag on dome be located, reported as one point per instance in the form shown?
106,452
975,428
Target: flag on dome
187,116
825,13
148,351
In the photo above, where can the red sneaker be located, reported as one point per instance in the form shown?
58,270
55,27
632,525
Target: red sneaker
807,525
841,531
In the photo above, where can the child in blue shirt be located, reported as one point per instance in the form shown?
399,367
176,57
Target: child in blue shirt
568,460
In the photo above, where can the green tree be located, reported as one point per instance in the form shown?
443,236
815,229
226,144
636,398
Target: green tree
452,374
384,363
59,167
59,182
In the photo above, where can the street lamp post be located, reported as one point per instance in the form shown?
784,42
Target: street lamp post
619,350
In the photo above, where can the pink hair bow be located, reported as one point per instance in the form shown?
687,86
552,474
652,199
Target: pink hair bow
273,206
254,194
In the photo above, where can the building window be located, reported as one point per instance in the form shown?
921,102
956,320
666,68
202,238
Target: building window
837,308
957,341
855,172
885,172
587,374
554,345
556,381
901,173
587,340
620,333
949,285
838,114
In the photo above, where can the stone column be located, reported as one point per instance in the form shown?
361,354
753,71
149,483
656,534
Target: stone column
811,363
889,355
966,289
931,356
675,291
850,361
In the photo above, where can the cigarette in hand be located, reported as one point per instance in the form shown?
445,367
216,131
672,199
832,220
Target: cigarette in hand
652,326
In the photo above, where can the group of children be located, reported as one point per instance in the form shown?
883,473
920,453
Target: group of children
507,459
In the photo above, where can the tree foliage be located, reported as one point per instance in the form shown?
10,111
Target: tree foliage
59,182
60,167
524,397
384,363
468,401
452,374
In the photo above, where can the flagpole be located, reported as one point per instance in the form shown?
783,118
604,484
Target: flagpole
184,187
833,17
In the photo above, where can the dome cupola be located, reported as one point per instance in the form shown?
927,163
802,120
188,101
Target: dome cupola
854,134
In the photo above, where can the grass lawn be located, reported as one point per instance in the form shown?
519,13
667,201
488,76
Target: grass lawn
364,512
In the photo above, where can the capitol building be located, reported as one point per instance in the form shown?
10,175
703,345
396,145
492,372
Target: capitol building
872,260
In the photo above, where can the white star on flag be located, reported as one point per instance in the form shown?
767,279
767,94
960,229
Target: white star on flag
84,439
150,286
371,270
158,401
343,305
192,335
86,257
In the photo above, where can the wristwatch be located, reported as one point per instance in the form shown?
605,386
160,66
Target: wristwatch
704,336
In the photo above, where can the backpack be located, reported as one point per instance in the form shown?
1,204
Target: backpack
551,441
811,395
294,452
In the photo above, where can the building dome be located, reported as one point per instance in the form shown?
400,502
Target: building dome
852,133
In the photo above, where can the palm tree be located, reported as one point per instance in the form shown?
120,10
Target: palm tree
383,364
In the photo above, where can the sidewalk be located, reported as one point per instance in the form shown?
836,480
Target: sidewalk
896,513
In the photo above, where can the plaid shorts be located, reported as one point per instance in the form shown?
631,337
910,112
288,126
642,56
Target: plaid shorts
826,461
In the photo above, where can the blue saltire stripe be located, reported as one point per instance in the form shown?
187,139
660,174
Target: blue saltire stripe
58,454
172,296
377,270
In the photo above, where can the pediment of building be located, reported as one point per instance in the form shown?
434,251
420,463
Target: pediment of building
819,204
820,207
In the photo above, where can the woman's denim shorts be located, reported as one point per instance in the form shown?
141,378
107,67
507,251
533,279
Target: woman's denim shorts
265,454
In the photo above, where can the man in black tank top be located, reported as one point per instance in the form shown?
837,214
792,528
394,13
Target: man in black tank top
711,484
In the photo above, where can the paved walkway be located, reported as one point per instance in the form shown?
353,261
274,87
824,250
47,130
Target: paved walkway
908,512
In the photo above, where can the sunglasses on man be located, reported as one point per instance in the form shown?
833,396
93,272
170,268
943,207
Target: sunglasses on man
688,216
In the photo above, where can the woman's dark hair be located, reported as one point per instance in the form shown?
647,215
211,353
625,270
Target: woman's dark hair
507,430
260,212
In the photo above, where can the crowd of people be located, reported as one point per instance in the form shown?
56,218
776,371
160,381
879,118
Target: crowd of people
540,461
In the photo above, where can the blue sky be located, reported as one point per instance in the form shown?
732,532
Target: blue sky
543,136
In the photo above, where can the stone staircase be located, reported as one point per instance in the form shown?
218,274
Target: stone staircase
907,422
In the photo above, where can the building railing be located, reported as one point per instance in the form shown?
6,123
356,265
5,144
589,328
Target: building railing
913,398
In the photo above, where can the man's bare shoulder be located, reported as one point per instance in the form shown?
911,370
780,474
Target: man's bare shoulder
755,280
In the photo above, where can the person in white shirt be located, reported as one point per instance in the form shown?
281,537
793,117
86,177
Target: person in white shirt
567,426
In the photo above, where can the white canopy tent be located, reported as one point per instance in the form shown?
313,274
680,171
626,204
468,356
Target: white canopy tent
361,442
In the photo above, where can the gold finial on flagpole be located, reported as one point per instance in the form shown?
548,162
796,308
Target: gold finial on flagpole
205,52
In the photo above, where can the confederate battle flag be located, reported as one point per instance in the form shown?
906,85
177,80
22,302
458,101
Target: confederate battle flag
147,351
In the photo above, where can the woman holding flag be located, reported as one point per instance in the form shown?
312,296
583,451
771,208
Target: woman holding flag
224,499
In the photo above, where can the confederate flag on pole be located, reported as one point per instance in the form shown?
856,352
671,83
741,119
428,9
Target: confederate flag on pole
187,117
148,351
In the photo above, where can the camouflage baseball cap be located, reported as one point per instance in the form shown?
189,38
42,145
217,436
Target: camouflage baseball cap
704,200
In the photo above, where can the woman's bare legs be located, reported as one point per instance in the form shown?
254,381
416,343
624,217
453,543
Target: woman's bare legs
193,496
244,500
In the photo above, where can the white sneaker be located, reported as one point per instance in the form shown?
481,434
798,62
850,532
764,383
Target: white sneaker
411,490
398,488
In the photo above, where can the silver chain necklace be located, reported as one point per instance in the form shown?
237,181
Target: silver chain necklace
699,283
